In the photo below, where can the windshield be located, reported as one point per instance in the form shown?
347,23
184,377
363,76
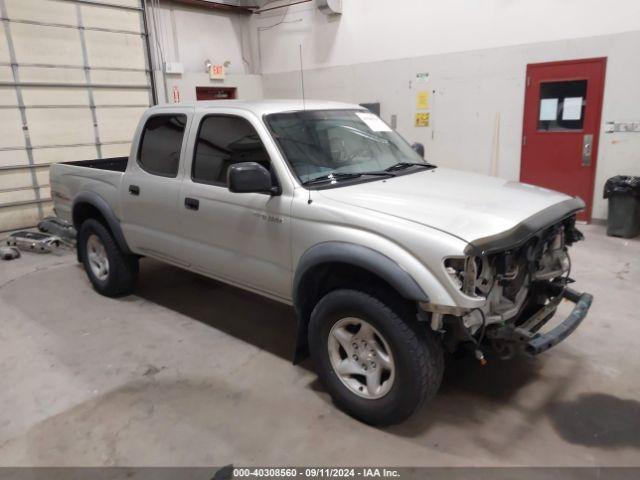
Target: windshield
319,143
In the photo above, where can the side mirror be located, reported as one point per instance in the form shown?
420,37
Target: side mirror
418,148
250,177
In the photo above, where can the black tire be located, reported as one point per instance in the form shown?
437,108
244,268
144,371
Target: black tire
123,269
417,354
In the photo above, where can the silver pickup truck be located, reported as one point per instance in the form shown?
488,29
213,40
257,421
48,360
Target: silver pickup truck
388,260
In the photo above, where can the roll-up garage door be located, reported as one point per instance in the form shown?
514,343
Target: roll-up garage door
74,80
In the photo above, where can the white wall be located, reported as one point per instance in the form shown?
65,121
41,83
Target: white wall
374,30
190,35
472,90
476,53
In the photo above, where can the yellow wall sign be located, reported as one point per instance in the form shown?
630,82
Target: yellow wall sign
422,119
422,100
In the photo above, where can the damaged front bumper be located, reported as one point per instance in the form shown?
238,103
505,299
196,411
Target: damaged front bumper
543,342
526,336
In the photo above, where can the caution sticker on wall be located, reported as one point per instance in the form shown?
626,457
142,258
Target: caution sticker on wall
422,100
422,119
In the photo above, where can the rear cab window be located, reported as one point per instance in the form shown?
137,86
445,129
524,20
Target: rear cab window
161,144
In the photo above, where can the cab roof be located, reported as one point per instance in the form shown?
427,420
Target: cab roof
262,107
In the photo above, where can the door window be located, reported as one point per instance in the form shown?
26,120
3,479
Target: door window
222,141
562,105
161,144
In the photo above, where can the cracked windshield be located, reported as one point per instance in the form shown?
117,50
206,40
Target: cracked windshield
329,145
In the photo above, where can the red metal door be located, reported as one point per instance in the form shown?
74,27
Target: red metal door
562,107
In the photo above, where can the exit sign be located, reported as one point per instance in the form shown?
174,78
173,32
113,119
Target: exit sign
217,72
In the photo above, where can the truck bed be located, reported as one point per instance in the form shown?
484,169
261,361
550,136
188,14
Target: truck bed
116,164
97,176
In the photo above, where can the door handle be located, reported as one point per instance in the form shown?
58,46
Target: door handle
191,203
587,149
134,189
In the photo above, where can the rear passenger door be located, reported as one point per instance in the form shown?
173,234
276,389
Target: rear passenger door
243,238
151,188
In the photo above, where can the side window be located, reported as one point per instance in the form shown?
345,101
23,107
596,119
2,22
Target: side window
222,141
161,143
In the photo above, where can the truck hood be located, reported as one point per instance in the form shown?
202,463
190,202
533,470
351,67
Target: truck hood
467,205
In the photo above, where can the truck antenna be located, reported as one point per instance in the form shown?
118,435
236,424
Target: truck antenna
304,106
302,78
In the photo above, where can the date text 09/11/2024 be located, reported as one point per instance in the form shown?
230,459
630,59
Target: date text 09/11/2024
320,472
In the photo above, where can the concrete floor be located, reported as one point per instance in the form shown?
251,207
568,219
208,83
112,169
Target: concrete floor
191,372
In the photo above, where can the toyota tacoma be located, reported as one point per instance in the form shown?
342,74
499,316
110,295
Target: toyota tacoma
388,260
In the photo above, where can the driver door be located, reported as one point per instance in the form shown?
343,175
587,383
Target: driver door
241,238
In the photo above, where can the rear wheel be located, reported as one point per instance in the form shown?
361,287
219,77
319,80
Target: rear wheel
374,360
110,271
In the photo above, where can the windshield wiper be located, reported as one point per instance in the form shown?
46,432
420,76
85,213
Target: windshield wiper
344,176
403,165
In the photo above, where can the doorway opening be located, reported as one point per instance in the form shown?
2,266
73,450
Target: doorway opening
216,93
560,134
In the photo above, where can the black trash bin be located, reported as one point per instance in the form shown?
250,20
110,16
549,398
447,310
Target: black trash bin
623,193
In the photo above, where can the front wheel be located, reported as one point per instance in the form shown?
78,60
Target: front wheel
374,360
110,271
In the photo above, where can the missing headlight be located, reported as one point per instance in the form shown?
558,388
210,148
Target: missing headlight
454,267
